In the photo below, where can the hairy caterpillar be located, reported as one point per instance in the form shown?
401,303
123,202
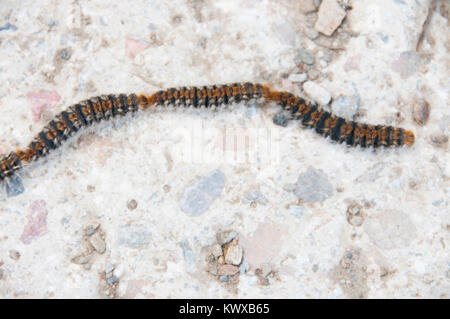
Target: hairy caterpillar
105,107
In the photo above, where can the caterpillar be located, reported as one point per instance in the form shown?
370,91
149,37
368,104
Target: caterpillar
104,107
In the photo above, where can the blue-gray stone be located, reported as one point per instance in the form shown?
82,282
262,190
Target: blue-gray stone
8,26
188,255
313,186
202,193
280,119
297,210
134,236
14,186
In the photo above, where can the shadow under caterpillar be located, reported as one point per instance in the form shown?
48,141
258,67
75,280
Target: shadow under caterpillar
104,107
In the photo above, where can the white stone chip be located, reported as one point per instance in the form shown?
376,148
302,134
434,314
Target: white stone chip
330,17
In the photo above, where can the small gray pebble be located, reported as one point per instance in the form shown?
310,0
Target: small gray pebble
306,57
65,54
280,119
223,278
14,187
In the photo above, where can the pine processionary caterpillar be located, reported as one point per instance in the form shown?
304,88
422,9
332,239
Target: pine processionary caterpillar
105,107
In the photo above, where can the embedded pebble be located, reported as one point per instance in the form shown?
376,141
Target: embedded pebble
233,253
306,57
98,243
313,186
439,140
228,270
216,250
225,237
316,92
14,186
132,204
345,107
298,77
188,255
8,26
244,267
329,17
223,278
81,259
90,230
14,254
112,280
65,54
199,196
355,215
421,112
134,236
280,119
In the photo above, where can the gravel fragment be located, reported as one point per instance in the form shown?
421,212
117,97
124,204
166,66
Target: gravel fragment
188,255
298,77
225,237
280,119
223,278
421,112
14,254
216,250
81,259
134,236
132,204
316,92
329,17
202,193
90,230
233,253
244,267
313,186
98,243
14,186
228,270
439,140
355,215
8,26
306,57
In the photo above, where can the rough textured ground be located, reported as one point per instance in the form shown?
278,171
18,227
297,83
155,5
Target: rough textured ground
202,203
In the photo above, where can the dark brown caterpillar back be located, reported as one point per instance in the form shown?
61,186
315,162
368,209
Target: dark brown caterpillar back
105,107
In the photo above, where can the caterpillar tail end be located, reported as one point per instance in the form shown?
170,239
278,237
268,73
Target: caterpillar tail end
409,138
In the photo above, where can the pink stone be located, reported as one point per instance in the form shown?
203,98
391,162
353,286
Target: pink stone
228,270
134,47
37,222
40,101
